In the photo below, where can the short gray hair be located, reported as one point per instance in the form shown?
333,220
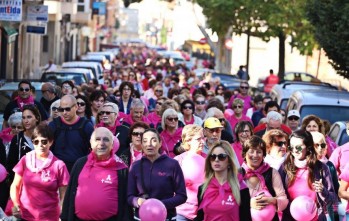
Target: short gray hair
112,105
211,112
15,118
273,115
137,103
167,113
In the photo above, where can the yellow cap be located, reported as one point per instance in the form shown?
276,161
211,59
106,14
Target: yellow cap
212,122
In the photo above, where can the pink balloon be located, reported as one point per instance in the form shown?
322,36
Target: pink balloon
3,173
152,210
193,167
265,214
303,208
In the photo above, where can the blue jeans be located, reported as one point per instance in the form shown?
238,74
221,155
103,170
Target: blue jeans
182,218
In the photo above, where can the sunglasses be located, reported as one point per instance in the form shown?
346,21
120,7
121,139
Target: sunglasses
17,127
62,109
24,89
298,148
105,112
43,142
200,102
172,119
54,108
245,131
242,87
81,104
322,145
136,134
281,143
188,107
221,157
159,91
293,118
222,120
213,130
237,106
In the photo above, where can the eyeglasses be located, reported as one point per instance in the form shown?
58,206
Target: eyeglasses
159,103
237,106
159,91
200,102
172,119
17,127
221,157
281,143
245,131
54,108
242,87
24,89
136,134
220,88
43,142
214,130
81,104
126,89
66,87
67,109
105,112
322,145
188,107
293,118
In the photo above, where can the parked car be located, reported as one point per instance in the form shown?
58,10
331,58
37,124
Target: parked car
95,67
6,91
332,105
281,92
78,75
339,132
108,54
291,76
230,81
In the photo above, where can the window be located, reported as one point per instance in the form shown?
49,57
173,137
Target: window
45,43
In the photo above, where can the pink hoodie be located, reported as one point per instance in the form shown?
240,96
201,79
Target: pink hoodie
170,140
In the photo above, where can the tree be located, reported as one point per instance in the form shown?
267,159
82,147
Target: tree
331,21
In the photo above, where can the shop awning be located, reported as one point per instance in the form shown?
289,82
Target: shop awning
10,31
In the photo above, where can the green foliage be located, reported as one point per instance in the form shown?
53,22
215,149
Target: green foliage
331,21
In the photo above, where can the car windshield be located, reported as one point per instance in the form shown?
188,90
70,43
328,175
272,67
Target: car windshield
58,78
326,112
283,103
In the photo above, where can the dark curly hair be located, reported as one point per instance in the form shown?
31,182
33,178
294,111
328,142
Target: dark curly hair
88,110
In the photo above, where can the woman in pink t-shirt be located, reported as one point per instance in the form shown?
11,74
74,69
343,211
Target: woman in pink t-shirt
304,175
243,131
38,177
276,141
237,106
222,197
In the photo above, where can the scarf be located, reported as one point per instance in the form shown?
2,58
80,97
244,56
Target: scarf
274,162
258,172
32,164
6,135
300,163
134,152
111,128
114,162
214,190
24,101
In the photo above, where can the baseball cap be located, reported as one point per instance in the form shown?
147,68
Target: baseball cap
212,122
293,113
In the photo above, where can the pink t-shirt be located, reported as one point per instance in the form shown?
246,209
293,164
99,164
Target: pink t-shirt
345,177
340,156
96,205
222,209
39,199
154,118
233,120
300,186
237,147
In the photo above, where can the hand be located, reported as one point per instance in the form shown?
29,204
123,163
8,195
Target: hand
318,186
140,201
258,202
16,212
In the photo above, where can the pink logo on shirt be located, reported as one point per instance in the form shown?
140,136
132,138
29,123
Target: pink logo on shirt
229,201
161,173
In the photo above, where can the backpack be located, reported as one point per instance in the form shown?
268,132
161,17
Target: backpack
81,127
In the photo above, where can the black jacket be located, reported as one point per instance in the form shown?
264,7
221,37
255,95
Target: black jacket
125,212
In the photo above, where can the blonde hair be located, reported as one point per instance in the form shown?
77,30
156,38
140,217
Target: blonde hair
188,132
232,170
238,101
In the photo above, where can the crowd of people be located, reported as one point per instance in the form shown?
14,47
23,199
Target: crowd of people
149,129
